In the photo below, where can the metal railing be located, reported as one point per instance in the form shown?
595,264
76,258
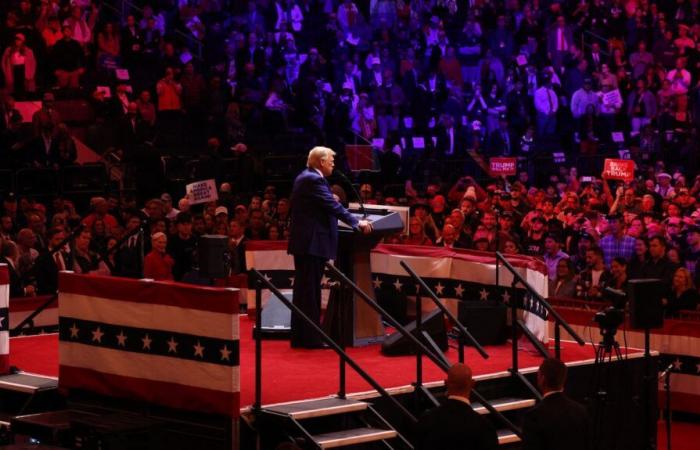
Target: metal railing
260,281
517,323
27,325
437,358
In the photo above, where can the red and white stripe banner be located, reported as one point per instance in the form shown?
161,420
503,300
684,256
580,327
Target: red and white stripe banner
168,344
454,275
4,319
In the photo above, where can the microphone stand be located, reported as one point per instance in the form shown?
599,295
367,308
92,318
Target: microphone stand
354,191
666,375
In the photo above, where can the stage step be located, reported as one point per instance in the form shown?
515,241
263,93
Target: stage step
507,437
318,408
353,436
27,383
505,404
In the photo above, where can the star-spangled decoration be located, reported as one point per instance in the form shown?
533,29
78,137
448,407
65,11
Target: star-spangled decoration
506,297
677,364
198,350
74,330
225,353
291,281
483,294
97,335
459,290
146,342
267,277
439,288
121,339
397,284
377,283
172,345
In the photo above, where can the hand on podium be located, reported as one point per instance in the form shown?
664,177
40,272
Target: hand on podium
365,226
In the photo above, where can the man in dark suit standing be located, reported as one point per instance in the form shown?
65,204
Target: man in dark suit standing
51,262
454,424
313,239
557,422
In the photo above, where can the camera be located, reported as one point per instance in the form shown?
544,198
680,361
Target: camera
609,319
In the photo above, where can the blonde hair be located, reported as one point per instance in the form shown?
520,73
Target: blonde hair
318,154
688,279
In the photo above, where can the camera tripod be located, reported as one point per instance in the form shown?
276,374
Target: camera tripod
607,347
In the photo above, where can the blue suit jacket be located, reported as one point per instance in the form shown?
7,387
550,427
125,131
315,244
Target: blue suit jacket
315,214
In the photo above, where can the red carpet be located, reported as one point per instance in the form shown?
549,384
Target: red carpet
684,435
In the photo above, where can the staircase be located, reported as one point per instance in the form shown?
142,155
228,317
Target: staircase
331,423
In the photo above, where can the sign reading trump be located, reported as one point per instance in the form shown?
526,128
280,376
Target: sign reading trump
619,169
503,166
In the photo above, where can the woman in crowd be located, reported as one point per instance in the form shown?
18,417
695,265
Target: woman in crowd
158,265
565,283
416,233
684,296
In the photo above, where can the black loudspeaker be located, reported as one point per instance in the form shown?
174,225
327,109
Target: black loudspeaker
486,321
212,251
397,345
646,309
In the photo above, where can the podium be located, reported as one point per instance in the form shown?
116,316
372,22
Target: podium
348,316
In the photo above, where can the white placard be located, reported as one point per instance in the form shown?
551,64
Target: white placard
202,192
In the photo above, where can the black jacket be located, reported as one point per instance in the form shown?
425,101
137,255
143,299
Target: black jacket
556,423
455,425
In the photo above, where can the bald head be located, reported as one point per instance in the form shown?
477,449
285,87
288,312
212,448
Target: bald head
459,380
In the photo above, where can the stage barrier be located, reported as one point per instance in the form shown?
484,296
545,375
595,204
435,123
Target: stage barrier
163,343
455,275
678,343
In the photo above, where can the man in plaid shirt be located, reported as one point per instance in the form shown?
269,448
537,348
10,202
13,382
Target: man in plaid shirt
616,243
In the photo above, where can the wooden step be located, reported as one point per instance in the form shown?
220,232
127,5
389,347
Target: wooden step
352,436
317,408
506,436
505,404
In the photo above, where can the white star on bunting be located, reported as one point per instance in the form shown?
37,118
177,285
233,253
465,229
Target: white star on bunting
172,345
225,353
267,277
121,339
291,281
439,288
146,342
74,330
398,284
506,297
97,335
483,294
377,283
459,290
198,350
677,364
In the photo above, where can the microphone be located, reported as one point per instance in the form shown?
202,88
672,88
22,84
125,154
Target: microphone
357,194
666,371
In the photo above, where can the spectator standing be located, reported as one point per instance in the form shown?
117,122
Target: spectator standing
616,243
557,422
158,264
454,424
19,68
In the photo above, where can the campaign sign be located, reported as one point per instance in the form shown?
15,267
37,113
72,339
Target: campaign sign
619,169
202,192
503,166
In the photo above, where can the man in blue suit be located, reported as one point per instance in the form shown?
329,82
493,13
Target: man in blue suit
313,239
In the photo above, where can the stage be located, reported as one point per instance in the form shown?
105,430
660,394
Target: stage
296,374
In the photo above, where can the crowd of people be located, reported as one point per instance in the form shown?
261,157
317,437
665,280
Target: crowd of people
489,78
